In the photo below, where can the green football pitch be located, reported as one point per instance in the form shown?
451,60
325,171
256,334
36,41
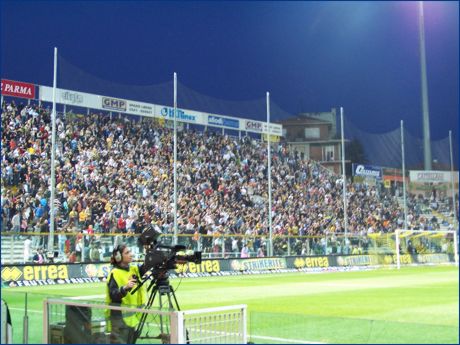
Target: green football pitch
413,305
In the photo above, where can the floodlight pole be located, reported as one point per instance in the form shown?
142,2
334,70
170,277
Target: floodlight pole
344,183
404,174
426,114
175,159
454,210
269,175
53,154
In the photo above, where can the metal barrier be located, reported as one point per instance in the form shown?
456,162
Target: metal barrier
67,321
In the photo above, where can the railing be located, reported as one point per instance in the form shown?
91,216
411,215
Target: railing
66,320
78,247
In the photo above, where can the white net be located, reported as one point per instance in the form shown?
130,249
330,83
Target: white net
222,325
426,247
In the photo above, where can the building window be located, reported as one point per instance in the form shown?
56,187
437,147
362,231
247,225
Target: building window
329,153
312,133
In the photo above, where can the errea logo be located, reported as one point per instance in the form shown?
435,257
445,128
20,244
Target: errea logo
12,273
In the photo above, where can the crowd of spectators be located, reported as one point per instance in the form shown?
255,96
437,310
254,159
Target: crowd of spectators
115,175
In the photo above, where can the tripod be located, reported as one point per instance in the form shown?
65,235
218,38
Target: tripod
164,290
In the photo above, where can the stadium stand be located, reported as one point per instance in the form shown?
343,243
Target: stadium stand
114,176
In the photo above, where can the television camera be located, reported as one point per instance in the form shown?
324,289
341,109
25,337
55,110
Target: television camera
160,258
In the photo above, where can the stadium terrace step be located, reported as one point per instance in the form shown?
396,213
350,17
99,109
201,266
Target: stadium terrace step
12,251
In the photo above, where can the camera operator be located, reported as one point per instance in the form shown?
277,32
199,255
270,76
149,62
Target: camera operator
121,280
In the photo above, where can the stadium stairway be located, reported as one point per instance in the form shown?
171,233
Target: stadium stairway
444,215
12,252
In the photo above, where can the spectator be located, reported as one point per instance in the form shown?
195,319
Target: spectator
94,253
245,251
27,249
260,252
38,258
16,223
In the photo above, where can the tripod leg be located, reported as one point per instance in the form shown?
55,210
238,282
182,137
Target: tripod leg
175,300
170,304
141,324
161,316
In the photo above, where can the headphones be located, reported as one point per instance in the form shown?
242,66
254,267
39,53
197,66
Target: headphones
117,253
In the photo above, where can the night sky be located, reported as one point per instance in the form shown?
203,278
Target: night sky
310,56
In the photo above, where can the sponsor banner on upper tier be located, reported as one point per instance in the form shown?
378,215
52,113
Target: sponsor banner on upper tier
273,138
140,108
392,174
68,97
253,126
220,121
261,127
368,171
18,89
181,114
115,104
275,129
431,176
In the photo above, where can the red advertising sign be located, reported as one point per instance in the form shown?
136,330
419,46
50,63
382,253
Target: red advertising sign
18,89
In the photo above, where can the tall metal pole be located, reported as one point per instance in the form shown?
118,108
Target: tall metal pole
426,114
269,179
344,182
454,210
175,159
53,153
403,174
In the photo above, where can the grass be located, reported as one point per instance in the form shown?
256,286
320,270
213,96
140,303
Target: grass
412,305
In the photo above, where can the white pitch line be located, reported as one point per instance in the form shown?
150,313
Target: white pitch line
87,297
296,341
28,311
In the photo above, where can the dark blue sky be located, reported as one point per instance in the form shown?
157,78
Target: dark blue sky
311,56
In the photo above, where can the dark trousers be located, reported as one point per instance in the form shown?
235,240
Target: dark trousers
121,333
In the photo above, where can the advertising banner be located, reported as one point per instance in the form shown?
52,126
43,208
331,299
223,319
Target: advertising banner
214,120
206,266
253,126
367,171
63,273
308,262
95,270
275,129
430,176
273,138
68,97
140,108
162,112
18,89
182,115
392,174
52,274
257,264
116,104
357,260
261,127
